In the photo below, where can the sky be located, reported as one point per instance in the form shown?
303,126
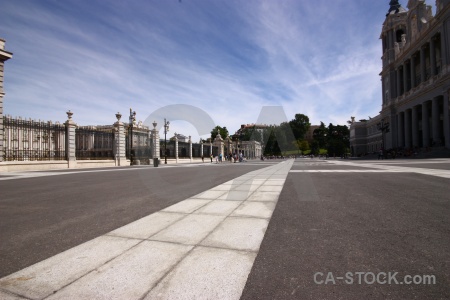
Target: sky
225,59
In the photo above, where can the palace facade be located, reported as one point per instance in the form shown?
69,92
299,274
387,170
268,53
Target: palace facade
415,82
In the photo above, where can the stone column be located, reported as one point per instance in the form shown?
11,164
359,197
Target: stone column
444,51
432,57
425,124
190,148
415,126
413,72
435,124
422,65
399,91
176,147
218,141
408,143
70,141
401,129
446,120
405,76
154,140
119,142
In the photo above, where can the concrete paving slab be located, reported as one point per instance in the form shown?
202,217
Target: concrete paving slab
42,279
147,226
209,195
238,233
219,207
206,273
8,296
264,196
255,209
129,276
247,187
190,230
270,188
222,187
235,196
187,206
274,182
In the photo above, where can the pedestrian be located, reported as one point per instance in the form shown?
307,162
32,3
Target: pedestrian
203,158
211,156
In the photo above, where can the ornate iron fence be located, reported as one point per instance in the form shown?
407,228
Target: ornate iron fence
30,140
141,146
94,143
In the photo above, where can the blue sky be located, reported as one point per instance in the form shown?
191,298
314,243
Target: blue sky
226,57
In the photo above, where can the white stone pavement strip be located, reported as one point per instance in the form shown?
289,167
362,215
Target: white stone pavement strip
387,168
200,248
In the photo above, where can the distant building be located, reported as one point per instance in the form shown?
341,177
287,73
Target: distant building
4,56
415,81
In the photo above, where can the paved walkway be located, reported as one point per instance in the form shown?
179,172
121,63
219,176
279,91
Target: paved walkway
200,248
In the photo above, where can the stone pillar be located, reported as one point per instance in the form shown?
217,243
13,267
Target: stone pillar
399,91
443,33
401,129
4,56
422,65
408,143
190,148
201,148
154,140
119,142
432,57
70,141
176,147
415,126
446,120
218,141
413,72
405,77
435,121
425,124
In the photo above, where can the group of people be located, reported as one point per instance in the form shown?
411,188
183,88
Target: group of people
230,157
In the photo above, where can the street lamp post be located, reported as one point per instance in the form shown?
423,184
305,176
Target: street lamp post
132,120
166,129
383,126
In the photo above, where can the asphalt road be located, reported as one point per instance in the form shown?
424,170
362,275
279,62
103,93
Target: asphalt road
329,225
340,229
43,216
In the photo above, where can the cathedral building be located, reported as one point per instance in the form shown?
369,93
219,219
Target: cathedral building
415,80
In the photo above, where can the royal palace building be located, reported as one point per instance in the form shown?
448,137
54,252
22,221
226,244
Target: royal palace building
415,82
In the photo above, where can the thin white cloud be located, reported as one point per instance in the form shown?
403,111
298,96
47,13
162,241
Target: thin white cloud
229,58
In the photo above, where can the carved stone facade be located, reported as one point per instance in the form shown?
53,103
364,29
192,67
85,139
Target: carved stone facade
416,81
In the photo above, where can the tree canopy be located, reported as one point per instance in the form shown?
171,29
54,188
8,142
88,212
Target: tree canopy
218,129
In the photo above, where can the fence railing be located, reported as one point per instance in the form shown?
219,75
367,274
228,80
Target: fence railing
94,143
29,140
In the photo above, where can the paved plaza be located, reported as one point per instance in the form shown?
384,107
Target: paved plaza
254,230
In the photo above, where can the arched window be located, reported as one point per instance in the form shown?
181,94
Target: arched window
398,35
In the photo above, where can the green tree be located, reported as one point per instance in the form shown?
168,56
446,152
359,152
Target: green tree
320,135
251,134
222,130
338,140
300,125
315,149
